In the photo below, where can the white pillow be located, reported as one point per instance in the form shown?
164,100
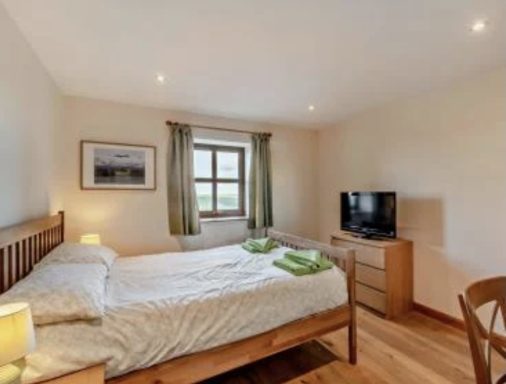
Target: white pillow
75,253
62,292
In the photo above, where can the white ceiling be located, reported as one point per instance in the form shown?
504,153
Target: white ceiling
264,60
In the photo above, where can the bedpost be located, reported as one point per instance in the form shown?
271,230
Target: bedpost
352,327
62,226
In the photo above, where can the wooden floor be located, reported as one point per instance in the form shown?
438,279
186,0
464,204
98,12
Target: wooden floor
414,349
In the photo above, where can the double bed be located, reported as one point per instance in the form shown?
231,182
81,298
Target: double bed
184,317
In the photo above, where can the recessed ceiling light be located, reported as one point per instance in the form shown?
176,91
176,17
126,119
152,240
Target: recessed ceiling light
478,26
311,108
160,78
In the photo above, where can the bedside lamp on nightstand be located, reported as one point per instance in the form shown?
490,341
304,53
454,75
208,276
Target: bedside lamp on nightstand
17,339
90,238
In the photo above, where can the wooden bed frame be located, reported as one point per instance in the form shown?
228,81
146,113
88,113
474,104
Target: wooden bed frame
23,245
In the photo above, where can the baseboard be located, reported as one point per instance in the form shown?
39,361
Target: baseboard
442,317
447,319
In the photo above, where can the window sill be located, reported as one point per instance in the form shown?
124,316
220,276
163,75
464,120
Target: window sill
223,219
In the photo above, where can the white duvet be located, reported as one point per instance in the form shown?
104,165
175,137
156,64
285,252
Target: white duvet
162,306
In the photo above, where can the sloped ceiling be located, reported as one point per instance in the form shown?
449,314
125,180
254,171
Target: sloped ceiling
264,60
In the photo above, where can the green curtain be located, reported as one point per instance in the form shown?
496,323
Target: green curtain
183,207
260,182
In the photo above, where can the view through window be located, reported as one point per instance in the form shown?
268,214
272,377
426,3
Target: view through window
219,180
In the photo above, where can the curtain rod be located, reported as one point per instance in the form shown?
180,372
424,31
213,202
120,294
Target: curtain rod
169,123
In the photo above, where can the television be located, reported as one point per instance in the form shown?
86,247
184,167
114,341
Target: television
369,214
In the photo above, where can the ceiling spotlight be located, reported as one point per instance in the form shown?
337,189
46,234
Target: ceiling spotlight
478,26
311,108
160,78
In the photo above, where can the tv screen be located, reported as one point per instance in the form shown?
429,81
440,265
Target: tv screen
369,213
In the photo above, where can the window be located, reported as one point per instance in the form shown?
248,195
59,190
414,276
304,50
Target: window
219,180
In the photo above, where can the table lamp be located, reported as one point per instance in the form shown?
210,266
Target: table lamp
90,238
17,339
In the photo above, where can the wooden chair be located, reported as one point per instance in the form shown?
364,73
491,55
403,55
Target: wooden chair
483,339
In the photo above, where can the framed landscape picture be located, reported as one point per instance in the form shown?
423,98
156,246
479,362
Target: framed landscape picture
117,166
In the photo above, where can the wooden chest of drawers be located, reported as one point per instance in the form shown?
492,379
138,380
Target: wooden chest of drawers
384,273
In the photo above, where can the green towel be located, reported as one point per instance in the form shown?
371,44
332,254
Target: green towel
264,245
248,247
292,267
303,262
310,257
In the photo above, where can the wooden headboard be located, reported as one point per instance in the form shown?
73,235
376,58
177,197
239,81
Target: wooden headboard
24,245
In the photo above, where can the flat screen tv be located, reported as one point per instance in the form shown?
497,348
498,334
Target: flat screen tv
369,214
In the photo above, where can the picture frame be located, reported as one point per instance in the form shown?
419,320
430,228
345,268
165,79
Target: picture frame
117,166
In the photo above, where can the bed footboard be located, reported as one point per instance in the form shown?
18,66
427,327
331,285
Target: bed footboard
343,258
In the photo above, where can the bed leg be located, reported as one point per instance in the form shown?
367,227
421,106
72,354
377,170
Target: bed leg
352,326
352,341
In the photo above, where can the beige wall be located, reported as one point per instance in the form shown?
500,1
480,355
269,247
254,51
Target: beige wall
443,152
136,221
30,107
445,155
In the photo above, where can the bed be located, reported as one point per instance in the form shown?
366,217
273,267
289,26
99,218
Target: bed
195,325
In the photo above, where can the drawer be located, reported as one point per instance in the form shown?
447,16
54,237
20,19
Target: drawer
372,277
372,298
375,257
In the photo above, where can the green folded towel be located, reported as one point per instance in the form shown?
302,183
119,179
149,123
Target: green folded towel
310,257
292,267
264,245
248,247
303,262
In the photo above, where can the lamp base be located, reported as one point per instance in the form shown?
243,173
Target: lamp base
10,374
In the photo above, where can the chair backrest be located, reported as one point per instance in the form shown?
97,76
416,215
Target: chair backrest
483,339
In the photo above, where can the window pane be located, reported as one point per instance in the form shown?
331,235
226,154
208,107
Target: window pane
204,196
202,163
228,165
228,196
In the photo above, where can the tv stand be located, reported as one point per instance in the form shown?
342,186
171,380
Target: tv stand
369,236
383,272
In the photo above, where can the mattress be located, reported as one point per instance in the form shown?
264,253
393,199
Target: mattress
159,307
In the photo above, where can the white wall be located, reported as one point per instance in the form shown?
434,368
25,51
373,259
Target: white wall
29,114
136,221
445,155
